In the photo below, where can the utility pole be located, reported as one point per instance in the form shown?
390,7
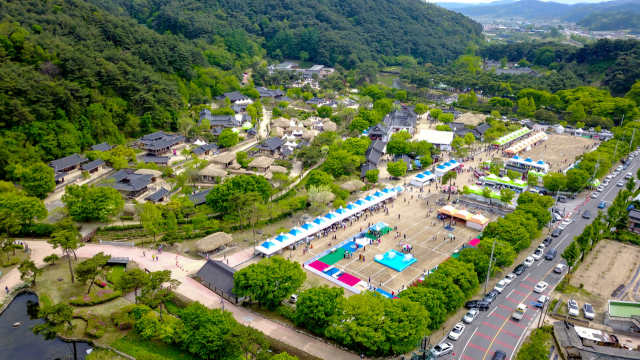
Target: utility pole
614,153
631,143
595,170
489,270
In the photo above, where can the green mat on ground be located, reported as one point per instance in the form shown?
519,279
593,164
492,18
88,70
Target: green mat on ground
373,237
331,259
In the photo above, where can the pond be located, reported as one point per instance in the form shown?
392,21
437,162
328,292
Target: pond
21,343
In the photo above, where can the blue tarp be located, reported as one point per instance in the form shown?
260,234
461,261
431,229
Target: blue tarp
350,246
384,293
331,271
417,162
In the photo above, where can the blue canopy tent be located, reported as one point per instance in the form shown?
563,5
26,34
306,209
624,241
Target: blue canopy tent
378,194
282,237
341,211
351,207
369,198
398,188
387,190
267,244
331,216
361,202
379,226
319,221
295,232
307,227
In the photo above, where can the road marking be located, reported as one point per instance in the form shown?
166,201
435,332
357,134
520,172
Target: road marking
526,286
504,331
479,348
535,281
540,263
465,346
525,278
507,320
465,357
497,341
494,309
510,292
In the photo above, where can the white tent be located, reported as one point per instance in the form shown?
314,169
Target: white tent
446,167
422,179
199,143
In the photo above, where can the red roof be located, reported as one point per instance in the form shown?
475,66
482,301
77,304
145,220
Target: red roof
349,279
319,265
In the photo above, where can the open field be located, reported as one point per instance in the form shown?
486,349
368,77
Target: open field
558,148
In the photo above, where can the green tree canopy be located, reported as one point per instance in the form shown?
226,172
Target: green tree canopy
397,169
317,306
219,197
228,138
92,202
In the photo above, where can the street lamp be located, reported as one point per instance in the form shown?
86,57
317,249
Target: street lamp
489,269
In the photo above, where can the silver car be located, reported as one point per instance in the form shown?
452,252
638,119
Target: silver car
471,315
587,309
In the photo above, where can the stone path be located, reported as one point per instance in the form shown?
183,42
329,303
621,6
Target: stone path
191,289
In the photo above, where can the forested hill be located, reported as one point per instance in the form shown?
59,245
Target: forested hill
628,18
330,31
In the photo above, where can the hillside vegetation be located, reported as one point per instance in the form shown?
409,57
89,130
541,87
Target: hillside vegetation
608,21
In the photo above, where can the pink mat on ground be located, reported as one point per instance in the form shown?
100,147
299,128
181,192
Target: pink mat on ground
318,265
474,242
349,279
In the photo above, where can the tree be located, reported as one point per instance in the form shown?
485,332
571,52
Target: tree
150,218
523,63
318,178
397,169
526,106
503,62
478,259
91,268
469,139
507,195
155,293
37,180
220,196
372,176
228,138
283,356
421,108
503,251
555,181
457,143
92,202
29,270
432,300
51,259
269,281
486,193
445,118
435,113
205,332
250,342
57,319
448,177
133,279
307,95
325,111
401,95
577,179
440,281
317,306
365,102
17,209
462,274
513,175
577,112
571,254
68,240
537,347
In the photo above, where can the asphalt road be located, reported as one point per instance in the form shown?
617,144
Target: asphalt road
495,329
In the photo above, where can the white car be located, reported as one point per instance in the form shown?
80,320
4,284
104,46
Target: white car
528,261
559,268
542,299
619,168
609,177
605,183
595,195
456,331
442,349
500,286
574,310
542,246
620,183
565,223
471,315
540,287
537,254
587,309
600,188
509,278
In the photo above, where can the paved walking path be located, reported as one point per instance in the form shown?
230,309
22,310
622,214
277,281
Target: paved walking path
191,289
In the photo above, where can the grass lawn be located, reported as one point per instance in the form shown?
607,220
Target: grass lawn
114,273
386,79
20,255
137,347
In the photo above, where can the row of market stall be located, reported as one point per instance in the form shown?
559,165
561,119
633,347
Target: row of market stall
424,178
511,137
504,182
526,144
528,163
474,221
315,227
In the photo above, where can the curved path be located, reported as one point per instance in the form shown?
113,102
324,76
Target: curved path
191,289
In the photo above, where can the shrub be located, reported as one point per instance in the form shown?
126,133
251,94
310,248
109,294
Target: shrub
125,317
120,227
100,283
95,324
95,298
39,230
11,262
126,217
147,326
46,302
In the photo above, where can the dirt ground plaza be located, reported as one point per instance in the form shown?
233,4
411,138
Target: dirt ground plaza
419,231
560,147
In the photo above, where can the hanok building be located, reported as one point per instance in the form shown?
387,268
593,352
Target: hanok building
366,167
94,166
451,110
234,97
316,101
101,147
158,160
404,118
68,164
267,93
200,197
581,343
158,196
378,132
204,150
251,133
374,152
218,277
479,131
224,160
634,221
219,122
160,142
212,174
271,146
260,164
128,183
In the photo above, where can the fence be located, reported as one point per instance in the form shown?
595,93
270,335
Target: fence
117,243
486,208
231,298
89,236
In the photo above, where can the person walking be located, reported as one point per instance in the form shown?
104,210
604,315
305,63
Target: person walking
144,253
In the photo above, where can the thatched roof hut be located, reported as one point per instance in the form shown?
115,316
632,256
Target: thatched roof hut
155,173
352,185
330,126
277,131
281,122
212,171
471,119
224,159
213,242
306,123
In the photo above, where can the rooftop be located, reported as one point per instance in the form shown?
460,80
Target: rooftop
624,308
101,147
199,198
157,195
127,180
67,162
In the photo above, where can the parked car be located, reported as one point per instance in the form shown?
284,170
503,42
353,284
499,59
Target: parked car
616,173
619,168
562,199
559,268
602,205
520,269
509,278
542,246
540,287
551,254
605,183
470,315
543,299
547,241
587,310
625,166
620,183
600,188
628,176
537,254
586,214
594,195
442,349
499,355
293,299
457,330
563,225
491,295
500,286
574,310
528,261
557,211
477,304
556,232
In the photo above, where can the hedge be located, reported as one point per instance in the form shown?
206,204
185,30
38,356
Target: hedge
39,230
95,324
98,297
11,262
120,227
